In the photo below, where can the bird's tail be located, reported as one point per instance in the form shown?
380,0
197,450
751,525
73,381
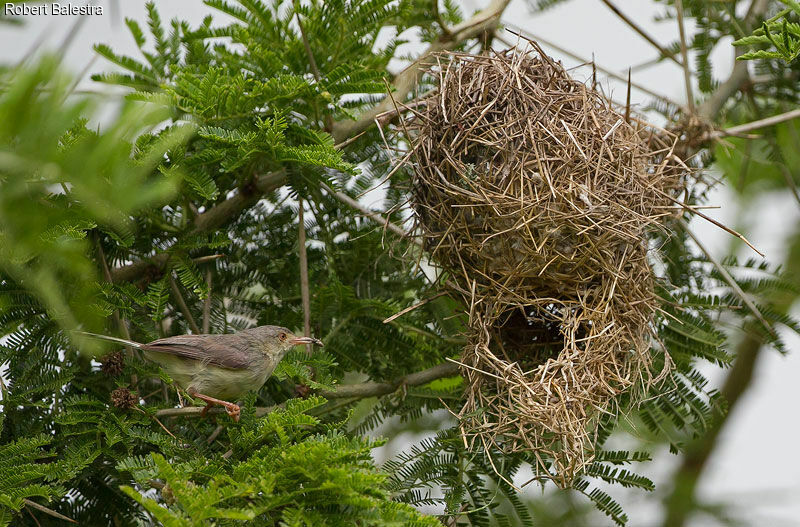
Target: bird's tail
124,342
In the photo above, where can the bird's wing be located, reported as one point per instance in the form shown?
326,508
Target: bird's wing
228,351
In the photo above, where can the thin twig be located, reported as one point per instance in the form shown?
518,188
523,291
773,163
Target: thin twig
30,513
406,80
123,328
207,305
307,45
49,512
208,258
415,306
157,421
787,176
439,20
714,104
584,60
728,278
633,25
304,284
373,215
214,434
312,62
687,75
118,320
755,125
182,305
712,220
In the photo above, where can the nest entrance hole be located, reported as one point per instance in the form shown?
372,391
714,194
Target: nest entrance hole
529,336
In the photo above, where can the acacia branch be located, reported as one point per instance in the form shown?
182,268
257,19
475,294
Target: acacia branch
224,211
405,81
214,217
345,391
196,411
376,389
681,501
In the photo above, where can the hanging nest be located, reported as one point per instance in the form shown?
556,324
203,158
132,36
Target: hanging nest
535,197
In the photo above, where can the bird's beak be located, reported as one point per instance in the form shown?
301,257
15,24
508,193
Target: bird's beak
296,341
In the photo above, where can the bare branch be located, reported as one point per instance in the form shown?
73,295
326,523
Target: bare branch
739,75
728,278
247,196
414,306
633,25
304,284
214,217
195,411
373,215
755,125
312,62
687,75
123,328
722,226
49,512
182,305
207,305
680,502
376,389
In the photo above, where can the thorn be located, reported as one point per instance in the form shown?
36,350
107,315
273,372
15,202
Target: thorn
628,103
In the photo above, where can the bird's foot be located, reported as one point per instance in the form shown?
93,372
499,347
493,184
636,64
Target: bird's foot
233,411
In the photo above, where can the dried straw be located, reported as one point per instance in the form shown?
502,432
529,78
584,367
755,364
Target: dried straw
536,197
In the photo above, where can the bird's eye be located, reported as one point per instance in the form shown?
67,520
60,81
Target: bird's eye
282,337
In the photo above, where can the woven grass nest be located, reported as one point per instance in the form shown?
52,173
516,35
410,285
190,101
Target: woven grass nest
536,197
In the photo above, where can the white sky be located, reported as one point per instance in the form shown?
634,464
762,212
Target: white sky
754,468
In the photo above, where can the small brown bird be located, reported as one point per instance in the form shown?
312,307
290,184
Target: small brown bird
220,368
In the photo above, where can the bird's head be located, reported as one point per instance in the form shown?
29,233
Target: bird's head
278,340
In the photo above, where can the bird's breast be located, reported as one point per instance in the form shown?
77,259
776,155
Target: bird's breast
212,380
228,384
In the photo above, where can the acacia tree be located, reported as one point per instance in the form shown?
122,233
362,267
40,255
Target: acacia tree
189,213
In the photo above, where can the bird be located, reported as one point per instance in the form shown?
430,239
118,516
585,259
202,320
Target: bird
219,368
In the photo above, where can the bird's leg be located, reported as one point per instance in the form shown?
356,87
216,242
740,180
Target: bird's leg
232,409
180,398
205,409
